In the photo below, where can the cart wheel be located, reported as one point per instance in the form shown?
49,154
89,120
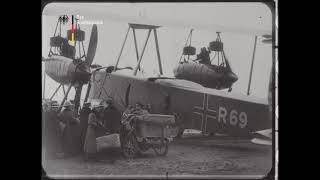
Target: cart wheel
179,124
161,149
143,146
129,148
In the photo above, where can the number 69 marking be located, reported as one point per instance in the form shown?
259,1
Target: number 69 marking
234,117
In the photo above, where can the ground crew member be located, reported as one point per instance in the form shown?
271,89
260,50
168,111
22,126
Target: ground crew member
90,144
139,109
71,133
51,130
112,117
84,115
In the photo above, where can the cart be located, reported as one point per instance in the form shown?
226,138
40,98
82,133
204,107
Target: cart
139,133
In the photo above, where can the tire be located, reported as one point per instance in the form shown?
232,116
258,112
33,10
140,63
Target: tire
180,125
129,147
161,150
143,146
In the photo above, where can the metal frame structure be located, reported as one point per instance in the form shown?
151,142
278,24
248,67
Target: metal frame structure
82,57
139,58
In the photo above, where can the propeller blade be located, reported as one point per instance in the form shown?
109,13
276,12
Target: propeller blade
92,45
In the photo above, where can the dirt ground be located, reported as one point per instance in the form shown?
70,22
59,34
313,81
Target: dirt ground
189,156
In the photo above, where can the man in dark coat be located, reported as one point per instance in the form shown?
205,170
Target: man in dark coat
112,117
204,56
51,130
139,109
71,139
84,114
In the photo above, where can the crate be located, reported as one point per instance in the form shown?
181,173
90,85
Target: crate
108,142
155,125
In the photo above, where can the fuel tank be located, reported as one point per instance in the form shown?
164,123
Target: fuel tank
210,76
65,70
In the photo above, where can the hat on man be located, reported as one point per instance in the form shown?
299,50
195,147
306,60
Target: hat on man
67,104
103,104
54,104
109,101
87,104
139,104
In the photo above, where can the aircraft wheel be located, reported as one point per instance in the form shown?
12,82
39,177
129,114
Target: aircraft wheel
161,149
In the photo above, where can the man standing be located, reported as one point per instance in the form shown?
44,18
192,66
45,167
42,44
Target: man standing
71,134
139,109
90,143
112,117
84,114
51,129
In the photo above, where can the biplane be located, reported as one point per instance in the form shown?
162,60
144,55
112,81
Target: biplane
195,106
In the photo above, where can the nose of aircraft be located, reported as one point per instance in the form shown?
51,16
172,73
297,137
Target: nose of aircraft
232,77
83,72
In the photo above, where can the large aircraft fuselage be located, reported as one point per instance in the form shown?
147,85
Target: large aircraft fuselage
200,108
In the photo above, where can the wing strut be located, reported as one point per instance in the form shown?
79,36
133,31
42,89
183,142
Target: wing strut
124,42
65,98
139,58
253,55
55,91
144,48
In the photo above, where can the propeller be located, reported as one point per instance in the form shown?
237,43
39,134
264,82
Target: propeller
89,59
92,45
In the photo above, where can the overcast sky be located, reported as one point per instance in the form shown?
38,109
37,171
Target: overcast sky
238,22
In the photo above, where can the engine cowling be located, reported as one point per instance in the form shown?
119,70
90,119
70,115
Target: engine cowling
210,76
65,70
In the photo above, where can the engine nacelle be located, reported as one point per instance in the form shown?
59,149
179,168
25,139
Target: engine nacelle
65,70
210,76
